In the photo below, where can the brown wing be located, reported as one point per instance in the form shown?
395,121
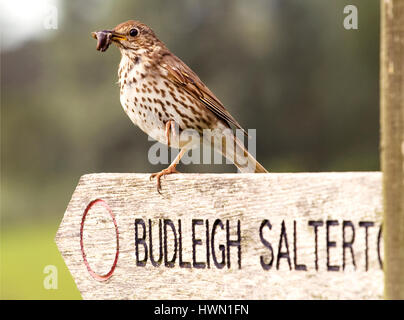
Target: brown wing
180,74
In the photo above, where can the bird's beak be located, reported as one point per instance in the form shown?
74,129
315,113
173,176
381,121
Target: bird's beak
105,37
114,36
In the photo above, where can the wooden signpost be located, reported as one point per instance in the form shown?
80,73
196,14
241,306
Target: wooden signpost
226,236
392,142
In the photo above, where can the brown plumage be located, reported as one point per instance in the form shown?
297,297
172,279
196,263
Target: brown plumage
158,91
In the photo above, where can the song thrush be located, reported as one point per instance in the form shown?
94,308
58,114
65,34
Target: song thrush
158,92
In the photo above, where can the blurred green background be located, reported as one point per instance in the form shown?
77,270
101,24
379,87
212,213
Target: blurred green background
287,68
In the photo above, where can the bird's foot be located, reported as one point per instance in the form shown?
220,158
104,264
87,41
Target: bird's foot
158,175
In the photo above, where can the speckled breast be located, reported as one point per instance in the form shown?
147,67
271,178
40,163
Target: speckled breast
150,100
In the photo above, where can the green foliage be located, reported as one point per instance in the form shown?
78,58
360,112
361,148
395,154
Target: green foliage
25,251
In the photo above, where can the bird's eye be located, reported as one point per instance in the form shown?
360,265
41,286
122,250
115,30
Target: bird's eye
133,32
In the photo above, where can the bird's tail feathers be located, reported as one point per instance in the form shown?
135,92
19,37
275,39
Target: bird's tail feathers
242,159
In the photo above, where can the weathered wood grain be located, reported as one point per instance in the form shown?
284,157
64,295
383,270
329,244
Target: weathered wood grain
392,141
285,200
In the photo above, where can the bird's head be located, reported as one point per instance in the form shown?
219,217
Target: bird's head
130,37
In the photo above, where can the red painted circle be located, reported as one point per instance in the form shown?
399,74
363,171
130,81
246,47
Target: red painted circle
111,271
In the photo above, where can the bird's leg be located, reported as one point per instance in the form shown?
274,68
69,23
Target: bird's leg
171,168
170,126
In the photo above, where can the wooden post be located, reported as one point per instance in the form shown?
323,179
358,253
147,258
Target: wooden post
226,236
392,143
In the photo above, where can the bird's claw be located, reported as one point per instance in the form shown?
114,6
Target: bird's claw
162,173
